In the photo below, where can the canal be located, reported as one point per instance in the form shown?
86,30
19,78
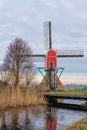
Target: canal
38,118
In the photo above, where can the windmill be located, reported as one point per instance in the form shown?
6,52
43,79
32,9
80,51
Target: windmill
51,57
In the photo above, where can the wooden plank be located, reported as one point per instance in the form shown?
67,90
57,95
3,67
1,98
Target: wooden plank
62,96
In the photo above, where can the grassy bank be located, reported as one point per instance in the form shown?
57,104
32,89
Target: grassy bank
73,92
16,97
80,125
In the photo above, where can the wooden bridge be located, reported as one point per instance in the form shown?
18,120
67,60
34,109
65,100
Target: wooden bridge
64,96
52,100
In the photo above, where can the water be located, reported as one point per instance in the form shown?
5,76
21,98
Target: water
38,118
77,102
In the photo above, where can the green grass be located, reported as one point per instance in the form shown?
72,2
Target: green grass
70,92
80,125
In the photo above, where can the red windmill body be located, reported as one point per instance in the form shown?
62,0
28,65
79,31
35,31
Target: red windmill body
51,60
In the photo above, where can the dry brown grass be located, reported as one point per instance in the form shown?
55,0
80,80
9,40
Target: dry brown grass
16,97
79,125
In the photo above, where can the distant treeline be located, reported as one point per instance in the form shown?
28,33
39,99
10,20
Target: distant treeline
75,86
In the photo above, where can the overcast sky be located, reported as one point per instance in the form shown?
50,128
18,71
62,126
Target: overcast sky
25,18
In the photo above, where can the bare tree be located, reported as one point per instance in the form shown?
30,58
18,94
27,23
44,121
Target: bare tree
4,76
29,77
15,60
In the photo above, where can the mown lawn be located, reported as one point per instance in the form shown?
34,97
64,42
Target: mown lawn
73,92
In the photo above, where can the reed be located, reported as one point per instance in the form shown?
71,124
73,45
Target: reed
16,97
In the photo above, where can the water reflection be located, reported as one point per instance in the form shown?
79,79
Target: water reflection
51,119
22,119
8,120
38,118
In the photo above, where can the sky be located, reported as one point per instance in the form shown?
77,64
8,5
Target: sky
25,18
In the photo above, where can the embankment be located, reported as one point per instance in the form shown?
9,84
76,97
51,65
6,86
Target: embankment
79,125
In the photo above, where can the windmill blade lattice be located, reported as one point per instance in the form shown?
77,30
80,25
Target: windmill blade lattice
47,35
70,53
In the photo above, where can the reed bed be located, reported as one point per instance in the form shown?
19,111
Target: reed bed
16,97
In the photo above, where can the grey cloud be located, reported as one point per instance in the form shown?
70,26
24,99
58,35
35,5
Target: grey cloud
25,19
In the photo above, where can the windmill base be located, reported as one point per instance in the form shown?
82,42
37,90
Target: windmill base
59,86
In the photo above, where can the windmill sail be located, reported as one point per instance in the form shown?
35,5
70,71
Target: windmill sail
47,35
70,53
60,54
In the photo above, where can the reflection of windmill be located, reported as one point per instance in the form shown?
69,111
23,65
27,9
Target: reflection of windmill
51,57
51,119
